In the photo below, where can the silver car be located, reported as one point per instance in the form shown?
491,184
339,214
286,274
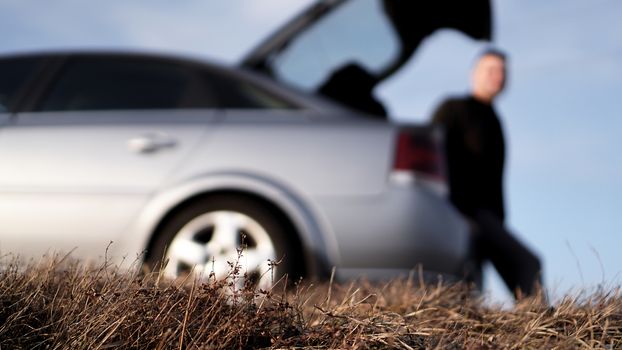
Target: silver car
281,162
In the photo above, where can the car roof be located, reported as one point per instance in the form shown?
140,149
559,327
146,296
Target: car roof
138,53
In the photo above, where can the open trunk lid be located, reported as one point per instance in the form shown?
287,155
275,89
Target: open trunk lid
343,48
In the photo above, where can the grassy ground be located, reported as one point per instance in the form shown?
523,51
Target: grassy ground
66,305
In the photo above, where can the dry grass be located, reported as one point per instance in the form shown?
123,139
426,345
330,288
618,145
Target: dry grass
63,305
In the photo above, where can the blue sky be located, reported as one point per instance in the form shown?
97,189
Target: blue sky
561,112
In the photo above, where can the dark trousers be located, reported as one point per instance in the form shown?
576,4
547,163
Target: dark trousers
518,266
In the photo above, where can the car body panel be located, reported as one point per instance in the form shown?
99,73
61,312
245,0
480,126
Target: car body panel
292,148
78,169
411,222
4,118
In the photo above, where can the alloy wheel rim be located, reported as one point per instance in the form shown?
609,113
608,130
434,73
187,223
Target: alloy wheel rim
222,244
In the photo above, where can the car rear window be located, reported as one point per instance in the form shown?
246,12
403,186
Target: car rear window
14,74
236,93
358,32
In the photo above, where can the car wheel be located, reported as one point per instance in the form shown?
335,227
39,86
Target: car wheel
224,237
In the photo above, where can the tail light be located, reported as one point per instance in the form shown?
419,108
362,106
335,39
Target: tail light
419,152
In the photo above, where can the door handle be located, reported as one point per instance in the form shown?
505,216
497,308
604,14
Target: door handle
150,143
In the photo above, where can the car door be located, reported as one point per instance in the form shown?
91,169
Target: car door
102,137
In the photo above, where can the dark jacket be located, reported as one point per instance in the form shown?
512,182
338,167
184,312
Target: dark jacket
475,151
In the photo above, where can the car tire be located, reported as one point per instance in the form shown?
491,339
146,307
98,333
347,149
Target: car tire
216,235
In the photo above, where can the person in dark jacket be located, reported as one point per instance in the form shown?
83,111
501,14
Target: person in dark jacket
475,151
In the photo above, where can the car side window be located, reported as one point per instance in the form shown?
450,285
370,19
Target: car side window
14,74
123,83
237,93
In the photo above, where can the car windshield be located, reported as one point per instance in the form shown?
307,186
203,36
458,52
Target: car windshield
357,33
